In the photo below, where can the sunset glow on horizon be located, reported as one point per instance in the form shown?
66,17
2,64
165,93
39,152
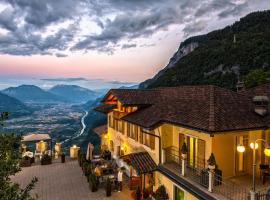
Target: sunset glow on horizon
121,40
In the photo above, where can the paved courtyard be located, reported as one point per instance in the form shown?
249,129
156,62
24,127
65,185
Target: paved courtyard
60,181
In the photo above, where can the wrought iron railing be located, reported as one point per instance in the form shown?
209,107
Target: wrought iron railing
197,172
172,154
263,195
229,189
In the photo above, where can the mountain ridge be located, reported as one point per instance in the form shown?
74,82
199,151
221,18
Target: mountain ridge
74,93
12,105
31,94
222,57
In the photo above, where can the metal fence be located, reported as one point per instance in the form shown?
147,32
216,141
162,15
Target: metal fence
229,189
172,155
196,171
263,195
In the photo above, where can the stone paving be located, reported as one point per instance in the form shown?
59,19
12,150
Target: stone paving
63,181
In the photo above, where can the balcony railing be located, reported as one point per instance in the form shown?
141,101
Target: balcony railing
197,172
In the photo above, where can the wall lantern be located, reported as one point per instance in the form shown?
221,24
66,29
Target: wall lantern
241,148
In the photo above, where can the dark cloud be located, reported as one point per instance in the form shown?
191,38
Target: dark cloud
127,46
60,55
27,21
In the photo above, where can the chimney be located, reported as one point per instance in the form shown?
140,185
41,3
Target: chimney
261,105
240,85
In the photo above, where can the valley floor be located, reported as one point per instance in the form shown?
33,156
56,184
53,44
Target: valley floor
63,181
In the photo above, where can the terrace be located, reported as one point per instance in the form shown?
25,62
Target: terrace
63,181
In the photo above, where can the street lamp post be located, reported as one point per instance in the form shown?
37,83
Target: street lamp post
254,145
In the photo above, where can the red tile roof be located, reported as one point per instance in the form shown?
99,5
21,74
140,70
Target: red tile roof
141,161
208,108
101,129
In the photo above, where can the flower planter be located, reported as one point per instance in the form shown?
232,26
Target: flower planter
211,167
184,156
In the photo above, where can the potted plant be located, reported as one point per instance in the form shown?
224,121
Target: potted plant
25,161
161,193
138,194
145,193
82,159
108,188
93,183
63,158
79,157
211,162
46,160
184,150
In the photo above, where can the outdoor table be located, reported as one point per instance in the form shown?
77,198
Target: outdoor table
29,154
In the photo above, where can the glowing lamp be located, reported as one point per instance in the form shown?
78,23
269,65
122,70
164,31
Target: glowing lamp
241,148
252,146
106,136
267,151
74,151
122,148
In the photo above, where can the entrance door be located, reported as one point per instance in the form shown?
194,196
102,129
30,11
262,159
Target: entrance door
241,158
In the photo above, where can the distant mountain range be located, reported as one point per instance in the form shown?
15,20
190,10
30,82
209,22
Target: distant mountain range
221,57
14,106
32,94
74,93
18,100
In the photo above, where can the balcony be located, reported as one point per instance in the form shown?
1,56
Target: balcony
196,178
118,114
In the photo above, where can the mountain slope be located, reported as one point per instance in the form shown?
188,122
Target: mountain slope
221,56
74,93
31,93
13,106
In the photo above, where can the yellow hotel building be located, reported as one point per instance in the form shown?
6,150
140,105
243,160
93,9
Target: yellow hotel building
166,136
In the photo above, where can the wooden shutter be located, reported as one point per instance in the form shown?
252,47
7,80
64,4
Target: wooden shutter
181,140
128,129
152,142
201,153
136,132
141,136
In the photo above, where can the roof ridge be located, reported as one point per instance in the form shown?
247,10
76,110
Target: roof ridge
212,109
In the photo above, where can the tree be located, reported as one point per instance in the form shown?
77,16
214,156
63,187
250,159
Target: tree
9,165
256,77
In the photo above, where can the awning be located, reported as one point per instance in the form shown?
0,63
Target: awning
101,129
105,108
141,161
35,137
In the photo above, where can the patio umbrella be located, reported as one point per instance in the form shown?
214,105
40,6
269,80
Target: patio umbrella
89,154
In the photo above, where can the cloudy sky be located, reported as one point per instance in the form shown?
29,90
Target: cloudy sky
123,40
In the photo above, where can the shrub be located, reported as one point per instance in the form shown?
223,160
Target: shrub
25,161
46,160
108,188
93,183
161,193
